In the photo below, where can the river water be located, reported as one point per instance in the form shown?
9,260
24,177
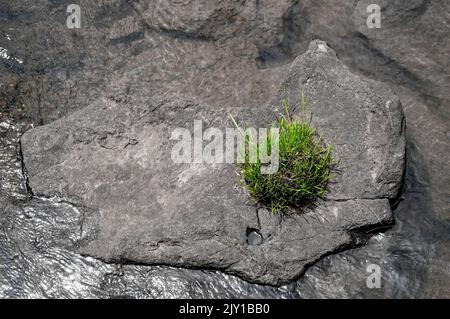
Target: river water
38,237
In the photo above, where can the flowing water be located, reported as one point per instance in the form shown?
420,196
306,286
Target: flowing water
38,236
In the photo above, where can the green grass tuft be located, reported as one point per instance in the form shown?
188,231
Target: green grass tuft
305,165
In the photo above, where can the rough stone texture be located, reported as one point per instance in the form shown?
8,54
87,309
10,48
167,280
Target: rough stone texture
212,51
410,52
363,119
414,42
64,70
115,157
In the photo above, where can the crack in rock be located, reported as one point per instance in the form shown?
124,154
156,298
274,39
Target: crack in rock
139,202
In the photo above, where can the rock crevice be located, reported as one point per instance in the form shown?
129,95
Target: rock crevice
151,210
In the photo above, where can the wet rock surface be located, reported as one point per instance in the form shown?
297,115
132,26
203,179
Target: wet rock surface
48,71
155,211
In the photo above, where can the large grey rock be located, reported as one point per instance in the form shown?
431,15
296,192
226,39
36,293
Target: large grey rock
410,52
362,118
414,40
64,70
114,156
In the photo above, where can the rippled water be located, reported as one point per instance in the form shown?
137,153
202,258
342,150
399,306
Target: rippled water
38,235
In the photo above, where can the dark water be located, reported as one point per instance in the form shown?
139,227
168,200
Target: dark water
37,237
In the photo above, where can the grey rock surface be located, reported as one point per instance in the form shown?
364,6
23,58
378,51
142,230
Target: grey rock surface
49,71
362,118
410,53
115,157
